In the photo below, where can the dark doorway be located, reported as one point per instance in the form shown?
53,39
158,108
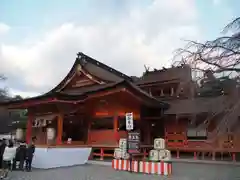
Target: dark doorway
74,127
156,129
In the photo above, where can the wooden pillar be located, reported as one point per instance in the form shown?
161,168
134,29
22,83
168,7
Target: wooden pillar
234,157
89,131
178,156
29,128
101,154
144,154
115,127
214,156
195,155
59,129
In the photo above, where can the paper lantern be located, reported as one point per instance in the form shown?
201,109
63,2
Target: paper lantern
51,133
19,134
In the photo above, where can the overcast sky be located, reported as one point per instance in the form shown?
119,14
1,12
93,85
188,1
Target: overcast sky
39,40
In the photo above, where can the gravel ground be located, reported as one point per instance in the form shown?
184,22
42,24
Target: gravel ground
181,171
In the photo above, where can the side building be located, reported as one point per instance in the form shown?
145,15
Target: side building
203,117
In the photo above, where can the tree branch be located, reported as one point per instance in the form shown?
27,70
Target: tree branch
219,55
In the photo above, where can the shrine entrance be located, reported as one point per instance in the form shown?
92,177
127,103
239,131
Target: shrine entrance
75,129
156,129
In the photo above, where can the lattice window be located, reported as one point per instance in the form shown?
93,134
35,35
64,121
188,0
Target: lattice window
196,134
104,123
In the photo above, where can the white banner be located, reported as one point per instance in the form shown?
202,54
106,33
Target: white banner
129,121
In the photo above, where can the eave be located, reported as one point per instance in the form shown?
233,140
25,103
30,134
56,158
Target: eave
156,82
130,89
60,97
41,100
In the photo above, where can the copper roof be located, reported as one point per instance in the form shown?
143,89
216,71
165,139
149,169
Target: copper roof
174,73
95,68
196,105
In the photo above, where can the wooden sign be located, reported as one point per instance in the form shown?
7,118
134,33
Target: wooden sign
129,121
133,142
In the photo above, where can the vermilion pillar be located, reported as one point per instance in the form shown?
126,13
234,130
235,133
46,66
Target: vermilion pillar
59,129
89,131
29,128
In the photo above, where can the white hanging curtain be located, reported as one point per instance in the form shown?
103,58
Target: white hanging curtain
41,121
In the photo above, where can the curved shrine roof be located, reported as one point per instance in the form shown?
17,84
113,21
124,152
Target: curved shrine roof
107,79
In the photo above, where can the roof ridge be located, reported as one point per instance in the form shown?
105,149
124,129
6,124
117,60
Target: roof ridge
98,63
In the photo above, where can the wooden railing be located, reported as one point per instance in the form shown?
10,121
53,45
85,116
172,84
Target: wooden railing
109,137
101,137
199,150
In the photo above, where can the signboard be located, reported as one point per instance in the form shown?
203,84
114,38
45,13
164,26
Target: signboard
129,121
133,142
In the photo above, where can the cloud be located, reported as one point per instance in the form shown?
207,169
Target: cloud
142,36
24,94
4,28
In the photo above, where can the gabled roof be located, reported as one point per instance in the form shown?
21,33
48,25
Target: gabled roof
95,68
84,58
109,79
92,66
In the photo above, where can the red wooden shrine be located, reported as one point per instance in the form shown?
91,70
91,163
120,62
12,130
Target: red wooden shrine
89,107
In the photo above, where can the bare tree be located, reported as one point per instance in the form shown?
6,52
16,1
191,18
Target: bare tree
3,91
221,55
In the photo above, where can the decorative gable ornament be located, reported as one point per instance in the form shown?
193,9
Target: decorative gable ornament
79,68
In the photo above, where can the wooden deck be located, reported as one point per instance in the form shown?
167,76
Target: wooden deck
102,151
185,148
